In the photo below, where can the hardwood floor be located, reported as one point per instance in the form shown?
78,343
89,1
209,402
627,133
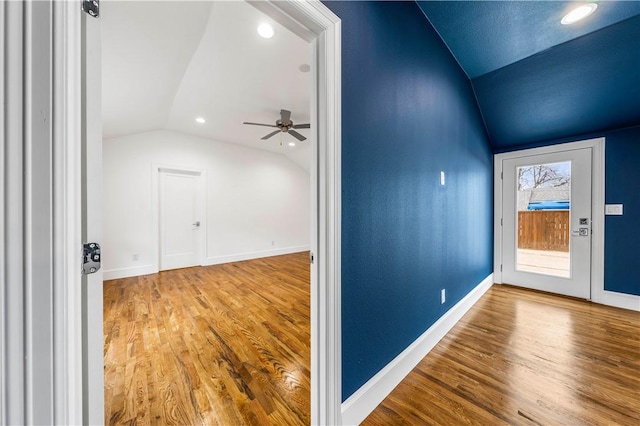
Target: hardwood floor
218,345
525,358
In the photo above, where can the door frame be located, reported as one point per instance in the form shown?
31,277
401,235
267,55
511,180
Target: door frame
317,24
201,208
597,208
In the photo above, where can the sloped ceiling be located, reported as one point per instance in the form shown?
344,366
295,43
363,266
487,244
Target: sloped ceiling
166,63
538,80
144,58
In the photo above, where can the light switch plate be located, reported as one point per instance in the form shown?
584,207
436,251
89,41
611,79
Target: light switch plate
613,209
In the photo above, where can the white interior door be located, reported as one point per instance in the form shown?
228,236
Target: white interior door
546,213
92,343
180,225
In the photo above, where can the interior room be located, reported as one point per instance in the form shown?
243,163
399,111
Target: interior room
451,239
206,214
202,61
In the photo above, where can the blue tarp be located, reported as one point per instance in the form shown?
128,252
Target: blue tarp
549,205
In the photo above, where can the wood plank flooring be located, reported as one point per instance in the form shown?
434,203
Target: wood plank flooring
218,345
521,357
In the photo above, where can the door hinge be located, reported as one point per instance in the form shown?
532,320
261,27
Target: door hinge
501,224
90,258
501,175
311,257
91,7
500,268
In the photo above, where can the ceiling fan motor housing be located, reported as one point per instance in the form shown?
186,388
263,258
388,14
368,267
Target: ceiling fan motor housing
285,125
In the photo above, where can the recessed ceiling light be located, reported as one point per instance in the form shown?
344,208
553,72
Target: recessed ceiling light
292,144
265,30
200,120
579,13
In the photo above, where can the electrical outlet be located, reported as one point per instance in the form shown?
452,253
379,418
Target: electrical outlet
135,257
273,243
443,296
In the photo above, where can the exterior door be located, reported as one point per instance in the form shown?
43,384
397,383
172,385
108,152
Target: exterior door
547,222
179,221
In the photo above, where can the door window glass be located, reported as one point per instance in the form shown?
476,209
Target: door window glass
543,218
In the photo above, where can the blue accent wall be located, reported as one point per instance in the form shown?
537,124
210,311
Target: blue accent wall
622,233
408,112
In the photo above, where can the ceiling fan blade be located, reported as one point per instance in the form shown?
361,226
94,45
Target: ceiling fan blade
259,124
296,135
285,115
270,134
302,126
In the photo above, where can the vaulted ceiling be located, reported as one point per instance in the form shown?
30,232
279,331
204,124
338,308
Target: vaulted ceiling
165,63
538,80
534,79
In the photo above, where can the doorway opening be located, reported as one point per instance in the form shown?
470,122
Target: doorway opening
78,66
229,196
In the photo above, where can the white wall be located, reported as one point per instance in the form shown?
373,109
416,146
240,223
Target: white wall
254,198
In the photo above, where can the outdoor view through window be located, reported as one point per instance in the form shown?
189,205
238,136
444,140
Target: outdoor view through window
544,205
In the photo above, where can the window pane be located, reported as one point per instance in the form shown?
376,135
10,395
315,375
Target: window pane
542,222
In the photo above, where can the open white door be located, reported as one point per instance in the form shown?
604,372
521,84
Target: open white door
91,204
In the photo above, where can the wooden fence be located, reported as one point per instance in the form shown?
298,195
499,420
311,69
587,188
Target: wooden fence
544,230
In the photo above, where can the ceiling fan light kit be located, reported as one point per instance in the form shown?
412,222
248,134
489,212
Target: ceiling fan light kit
284,125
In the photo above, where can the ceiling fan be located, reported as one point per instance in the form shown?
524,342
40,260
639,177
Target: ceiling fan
284,125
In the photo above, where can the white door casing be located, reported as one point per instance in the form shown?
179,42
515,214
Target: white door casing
13,367
180,219
578,283
75,382
29,213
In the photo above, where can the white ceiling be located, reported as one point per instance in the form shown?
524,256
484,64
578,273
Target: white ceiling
166,63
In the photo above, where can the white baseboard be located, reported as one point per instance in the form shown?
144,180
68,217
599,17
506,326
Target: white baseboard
253,255
134,271
619,300
359,405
